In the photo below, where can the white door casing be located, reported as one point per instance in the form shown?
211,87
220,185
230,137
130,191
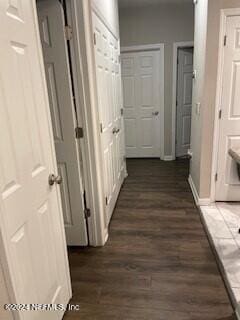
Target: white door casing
31,221
141,100
51,23
108,77
184,101
228,183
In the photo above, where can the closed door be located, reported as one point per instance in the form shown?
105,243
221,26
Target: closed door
32,229
228,183
141,100
51,23
109,103
184,101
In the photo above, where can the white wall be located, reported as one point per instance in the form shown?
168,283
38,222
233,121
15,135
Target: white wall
109,11
166,23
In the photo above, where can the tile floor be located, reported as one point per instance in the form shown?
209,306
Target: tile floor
223,222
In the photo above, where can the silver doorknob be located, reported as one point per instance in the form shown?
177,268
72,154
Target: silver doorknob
155,113
54,179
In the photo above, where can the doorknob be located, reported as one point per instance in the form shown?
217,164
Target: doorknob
155,113
115,130
54,179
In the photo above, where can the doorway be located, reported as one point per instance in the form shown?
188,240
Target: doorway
184,100
55,36
143,100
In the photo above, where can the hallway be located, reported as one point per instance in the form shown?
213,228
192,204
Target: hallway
157,263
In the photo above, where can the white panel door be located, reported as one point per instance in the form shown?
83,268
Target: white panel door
184,101
228,183
51,23
141,100
108,75
31,218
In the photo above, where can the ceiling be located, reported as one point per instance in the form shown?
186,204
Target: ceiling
141,3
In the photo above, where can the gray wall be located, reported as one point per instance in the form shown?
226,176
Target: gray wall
166,23
202,132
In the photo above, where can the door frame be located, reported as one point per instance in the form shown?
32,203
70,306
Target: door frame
160,48
176,46
224,14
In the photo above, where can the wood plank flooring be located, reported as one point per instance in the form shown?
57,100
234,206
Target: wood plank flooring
157,263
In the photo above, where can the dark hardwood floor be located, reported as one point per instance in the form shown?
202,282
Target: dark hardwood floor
157,263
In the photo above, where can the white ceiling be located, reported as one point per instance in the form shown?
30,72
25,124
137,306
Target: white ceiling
141,3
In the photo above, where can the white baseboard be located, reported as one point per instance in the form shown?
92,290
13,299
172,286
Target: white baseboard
198,201
168,158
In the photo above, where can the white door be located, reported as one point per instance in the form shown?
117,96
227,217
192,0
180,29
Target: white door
141,100
31,221
184,101
109,102
51,23
228,183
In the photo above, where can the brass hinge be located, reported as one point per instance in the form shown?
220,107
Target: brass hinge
94,39
225,40
87,213
68,32
216,177
220,114
79,132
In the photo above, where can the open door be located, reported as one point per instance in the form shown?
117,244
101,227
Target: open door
31,221
227,180
56,60
184,101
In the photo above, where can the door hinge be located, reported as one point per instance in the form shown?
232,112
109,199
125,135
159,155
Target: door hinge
176,103
101,127
220,114
121,111
94,39
87,213
106,201
79,132
225,40
68,32
216,177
